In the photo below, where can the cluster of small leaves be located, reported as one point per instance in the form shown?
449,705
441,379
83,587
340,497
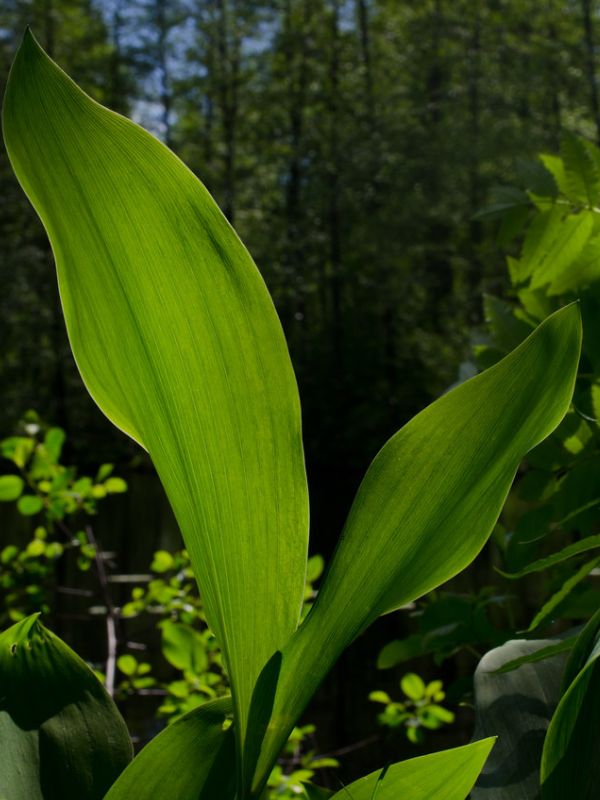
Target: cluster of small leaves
190,648
57,500
137,675
298,765
418,711
187,644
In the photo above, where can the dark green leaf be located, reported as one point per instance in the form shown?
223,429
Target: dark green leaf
61,735
192,759
570,765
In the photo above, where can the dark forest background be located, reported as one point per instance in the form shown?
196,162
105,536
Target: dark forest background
350,142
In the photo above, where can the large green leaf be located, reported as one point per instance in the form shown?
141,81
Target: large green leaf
427,505
516,706
192,759
448,775
570,764
61,735
178,342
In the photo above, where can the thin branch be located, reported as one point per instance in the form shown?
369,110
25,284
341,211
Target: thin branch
111,614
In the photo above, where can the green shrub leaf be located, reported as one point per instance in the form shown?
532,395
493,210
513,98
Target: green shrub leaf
11,487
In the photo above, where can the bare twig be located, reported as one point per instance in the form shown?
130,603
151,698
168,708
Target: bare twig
111,614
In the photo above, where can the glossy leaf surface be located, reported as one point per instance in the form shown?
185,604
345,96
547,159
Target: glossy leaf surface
61,735
178,342
192,759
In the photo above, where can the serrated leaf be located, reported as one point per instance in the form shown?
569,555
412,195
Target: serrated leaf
192,759
61,735
178,342
583,270
538,242
555,166
560,248
581,178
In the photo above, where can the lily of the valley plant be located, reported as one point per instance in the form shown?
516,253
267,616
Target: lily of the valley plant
178,342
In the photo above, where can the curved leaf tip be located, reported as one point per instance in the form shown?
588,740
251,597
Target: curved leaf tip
179,344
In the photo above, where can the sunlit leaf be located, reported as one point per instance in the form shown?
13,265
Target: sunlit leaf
584,269
562,246
448,775
61,735
183,647
178,342
581,178
427,505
